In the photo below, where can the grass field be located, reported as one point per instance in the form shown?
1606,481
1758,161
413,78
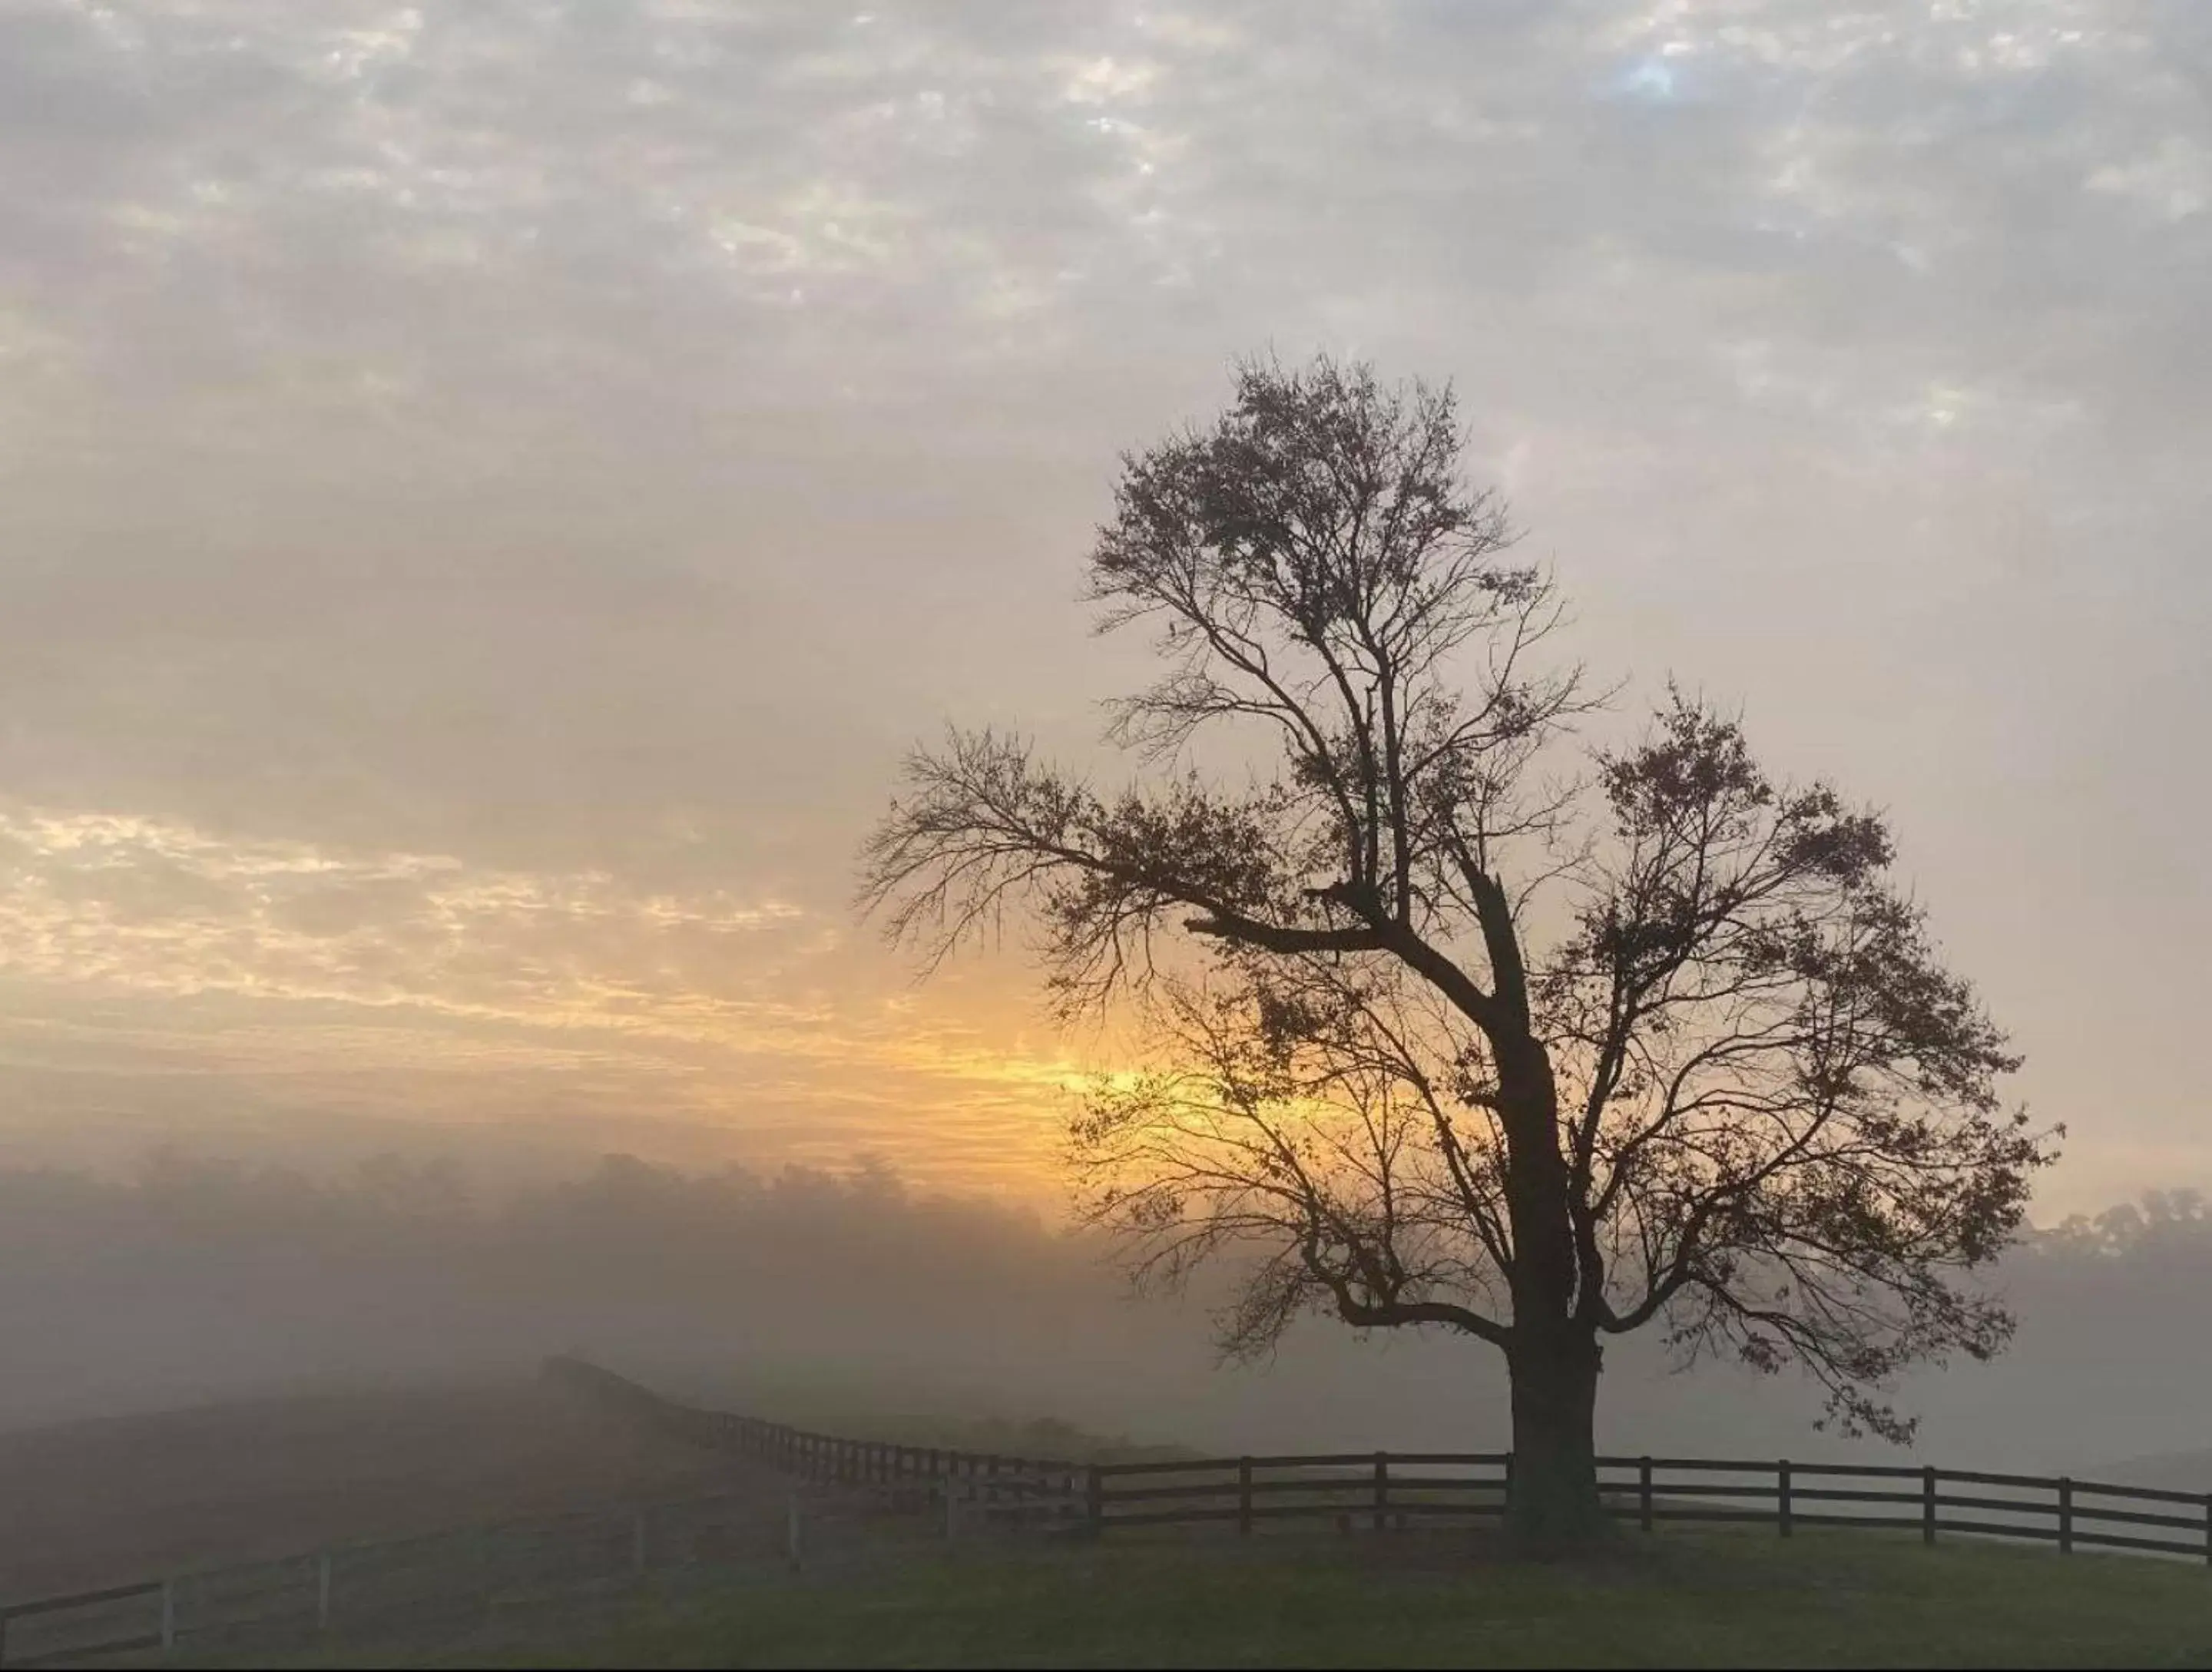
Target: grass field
1725,1597
114,1499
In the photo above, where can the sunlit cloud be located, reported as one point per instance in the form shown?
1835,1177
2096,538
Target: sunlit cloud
704,1002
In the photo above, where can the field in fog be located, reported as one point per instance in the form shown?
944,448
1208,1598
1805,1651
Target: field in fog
115,1499
854,1302
220,1363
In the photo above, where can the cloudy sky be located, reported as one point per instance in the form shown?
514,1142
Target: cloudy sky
488,492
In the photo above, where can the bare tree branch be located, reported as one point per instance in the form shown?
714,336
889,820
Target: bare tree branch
1739,1092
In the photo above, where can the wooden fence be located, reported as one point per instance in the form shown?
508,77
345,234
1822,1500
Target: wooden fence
1390,1489
459,1577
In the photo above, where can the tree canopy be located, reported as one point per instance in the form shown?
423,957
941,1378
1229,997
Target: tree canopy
1458,1020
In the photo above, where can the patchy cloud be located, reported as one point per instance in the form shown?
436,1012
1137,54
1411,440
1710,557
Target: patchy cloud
589,440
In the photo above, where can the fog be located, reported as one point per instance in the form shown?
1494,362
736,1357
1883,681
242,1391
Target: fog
193,1279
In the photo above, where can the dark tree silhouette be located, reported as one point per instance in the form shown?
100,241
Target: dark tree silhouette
1446,1040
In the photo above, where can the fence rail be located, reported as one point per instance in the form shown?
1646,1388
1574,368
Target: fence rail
449,1574
1384,1488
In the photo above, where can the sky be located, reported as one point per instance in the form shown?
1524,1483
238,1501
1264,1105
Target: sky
490,493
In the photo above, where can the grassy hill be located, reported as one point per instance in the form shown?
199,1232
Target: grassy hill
121,1499
114,1499
1724,1597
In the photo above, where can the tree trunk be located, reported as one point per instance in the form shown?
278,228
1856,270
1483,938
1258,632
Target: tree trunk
1551,1358
1554,1504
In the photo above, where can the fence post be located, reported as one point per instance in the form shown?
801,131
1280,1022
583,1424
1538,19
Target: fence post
793,1545
480,1559
1244,1503
1382,1488
168,1617
2065,1517
1644,1492
951,1513
1095,1501
1508,1508
323,1592
1928,1505
1781,1493
2208,1528
637,1541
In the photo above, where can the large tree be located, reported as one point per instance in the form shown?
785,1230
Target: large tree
1438,1036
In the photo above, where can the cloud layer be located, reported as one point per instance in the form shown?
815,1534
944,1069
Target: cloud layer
588,439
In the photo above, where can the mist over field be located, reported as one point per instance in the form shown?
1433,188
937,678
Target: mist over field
838,1298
